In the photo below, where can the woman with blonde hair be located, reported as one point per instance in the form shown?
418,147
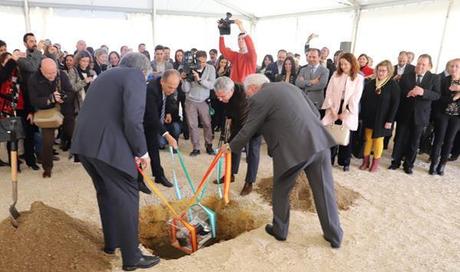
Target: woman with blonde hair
379,106
341,103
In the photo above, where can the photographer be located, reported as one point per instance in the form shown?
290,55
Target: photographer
197,92
48,88
243,62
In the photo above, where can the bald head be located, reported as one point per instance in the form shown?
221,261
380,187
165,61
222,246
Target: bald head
48,68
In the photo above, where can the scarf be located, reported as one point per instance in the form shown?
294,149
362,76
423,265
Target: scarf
380,83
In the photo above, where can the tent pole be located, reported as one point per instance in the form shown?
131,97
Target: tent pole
356,20
27,15
154,22
443,37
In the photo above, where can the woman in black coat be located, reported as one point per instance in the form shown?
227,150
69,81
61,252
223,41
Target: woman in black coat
379,105
447,119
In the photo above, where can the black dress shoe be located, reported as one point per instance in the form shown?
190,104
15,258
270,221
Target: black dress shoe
440,168
393,166
2,163
34,167
221,180
346,168
333,245
164,181
247,189
109,251
142,187
144,262
408,170
195,152
209,149
269,230
56,158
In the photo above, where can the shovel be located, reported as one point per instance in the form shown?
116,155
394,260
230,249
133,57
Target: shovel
14,214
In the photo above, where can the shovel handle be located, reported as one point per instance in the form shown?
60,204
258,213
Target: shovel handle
14,166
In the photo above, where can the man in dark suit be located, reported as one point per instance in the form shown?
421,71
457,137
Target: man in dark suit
297,141
418,90
154,120
236,110
109,139
276,67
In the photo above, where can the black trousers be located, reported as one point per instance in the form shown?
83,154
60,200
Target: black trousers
253,155
46,152
29,141
153,148
343,152
118,199
407,141
446,128
456,148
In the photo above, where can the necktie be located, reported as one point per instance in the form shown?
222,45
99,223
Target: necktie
419,79
163,109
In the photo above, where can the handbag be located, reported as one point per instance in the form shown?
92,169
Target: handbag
49,118
8,125
340,133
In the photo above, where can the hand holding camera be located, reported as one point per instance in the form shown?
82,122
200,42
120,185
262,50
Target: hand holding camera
57,97
224,24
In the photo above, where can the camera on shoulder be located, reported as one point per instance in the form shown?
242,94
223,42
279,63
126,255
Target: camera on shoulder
224,24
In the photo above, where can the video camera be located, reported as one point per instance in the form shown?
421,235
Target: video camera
190,64
224,24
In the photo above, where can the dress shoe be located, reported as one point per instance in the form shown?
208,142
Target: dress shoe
195,152
144,262
247,189
433,167
55,152
56,158
143,188
453,158
109,251
440,168
269,230
408,170
164,181
346,168
333,245
2,163
34,167
209,149
393,166
47,174
221,180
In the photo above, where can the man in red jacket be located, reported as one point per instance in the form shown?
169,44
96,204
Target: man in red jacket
244,61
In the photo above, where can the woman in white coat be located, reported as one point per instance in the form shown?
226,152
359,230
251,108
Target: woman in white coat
342,103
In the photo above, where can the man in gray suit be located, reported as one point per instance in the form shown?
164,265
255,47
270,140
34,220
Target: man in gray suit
109,139
297,141
313,78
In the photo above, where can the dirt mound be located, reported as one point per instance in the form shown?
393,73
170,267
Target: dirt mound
232,220
302,197
48,239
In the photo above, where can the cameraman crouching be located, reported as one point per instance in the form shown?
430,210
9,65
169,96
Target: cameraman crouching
197,92
243,62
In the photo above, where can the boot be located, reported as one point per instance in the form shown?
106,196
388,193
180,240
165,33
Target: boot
440,168
365,164
375,165
433,166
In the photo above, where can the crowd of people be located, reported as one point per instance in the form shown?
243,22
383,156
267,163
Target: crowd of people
199,90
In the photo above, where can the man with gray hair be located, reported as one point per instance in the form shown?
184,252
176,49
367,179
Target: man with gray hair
236,110
109,139
297,141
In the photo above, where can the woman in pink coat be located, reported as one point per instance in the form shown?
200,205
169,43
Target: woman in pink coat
342,103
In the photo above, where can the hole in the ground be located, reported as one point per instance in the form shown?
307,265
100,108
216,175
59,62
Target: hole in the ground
301,197
232,220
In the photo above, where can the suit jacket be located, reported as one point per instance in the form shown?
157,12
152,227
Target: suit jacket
237,110
314,92
109,126
418,108
407,70
353,92
289,122
153,106
41,90
272,71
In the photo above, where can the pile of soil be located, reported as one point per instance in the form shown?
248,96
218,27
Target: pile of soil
301,196
48,239
232,220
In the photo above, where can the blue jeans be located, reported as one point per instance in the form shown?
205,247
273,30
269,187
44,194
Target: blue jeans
174,129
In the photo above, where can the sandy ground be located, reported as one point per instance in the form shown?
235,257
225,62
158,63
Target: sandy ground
401,223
